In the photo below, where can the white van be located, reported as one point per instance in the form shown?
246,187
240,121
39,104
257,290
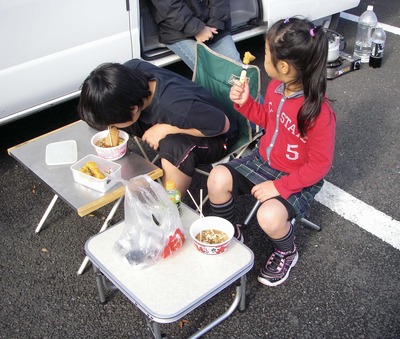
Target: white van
48,47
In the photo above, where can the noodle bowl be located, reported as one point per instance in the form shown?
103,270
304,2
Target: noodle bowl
211,235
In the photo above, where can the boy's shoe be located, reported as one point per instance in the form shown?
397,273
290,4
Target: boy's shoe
238,233
277,268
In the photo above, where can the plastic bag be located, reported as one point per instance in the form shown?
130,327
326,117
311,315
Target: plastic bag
153,228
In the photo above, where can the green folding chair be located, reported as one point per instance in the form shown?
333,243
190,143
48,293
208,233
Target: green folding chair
216,73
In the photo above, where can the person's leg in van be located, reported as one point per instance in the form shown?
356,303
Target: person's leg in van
185,50
226,46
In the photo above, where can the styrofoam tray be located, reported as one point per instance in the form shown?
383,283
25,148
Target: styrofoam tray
61,153
108,168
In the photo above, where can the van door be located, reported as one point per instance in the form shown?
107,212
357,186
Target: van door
48,47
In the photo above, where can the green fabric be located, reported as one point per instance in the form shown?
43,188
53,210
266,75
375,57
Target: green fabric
217,73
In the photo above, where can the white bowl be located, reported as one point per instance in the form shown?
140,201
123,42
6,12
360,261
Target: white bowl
110,153
214,223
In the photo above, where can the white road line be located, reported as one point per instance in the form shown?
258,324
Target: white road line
354,210
358,212
387,28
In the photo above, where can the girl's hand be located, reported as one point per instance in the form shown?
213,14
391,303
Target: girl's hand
239,92
264,191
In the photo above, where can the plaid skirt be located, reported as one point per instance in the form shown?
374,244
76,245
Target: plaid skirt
257,170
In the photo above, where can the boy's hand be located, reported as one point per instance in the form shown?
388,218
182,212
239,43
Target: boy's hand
155,133
239,92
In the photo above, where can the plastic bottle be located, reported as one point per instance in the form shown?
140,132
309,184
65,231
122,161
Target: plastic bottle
378,46
366,25
173,194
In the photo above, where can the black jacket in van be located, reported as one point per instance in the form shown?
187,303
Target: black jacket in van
182,19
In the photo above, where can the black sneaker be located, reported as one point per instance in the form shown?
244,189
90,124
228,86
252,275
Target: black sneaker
278,267
238,233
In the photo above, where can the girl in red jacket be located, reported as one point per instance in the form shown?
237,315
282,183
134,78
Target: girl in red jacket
286,171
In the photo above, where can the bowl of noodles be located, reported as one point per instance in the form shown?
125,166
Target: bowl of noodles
108,150
211,235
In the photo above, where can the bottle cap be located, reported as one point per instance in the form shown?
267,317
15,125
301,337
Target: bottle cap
370,8
170,185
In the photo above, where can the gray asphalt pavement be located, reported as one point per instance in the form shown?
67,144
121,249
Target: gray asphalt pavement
345,285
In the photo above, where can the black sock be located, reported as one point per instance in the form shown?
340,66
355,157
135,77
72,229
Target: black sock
225,210
285,244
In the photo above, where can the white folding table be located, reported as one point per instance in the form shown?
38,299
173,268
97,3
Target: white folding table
169,289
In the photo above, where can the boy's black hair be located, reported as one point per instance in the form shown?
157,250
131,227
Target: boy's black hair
305,47
110,93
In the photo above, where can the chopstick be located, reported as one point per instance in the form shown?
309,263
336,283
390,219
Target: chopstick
197,206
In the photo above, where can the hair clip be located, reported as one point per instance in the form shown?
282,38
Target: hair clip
312,33
286,21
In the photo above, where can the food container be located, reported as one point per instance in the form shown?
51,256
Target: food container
61,153
108,168
216,224
110,153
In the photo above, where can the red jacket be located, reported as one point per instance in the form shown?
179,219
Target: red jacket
306,160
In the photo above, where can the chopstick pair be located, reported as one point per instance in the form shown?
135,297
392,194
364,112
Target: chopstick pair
200,209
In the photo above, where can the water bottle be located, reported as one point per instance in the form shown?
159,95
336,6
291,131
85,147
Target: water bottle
378,46
366,25
173,194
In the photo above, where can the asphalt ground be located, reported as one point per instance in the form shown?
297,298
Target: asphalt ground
345,285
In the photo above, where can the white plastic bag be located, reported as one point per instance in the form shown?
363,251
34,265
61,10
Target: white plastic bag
153,228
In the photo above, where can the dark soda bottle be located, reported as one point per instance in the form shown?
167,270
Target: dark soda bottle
378,46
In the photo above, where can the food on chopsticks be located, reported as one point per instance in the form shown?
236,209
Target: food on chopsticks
248,57
91,168
111,140
212,236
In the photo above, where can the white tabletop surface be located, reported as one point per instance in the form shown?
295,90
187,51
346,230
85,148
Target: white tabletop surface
172,287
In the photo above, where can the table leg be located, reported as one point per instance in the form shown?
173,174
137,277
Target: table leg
222,317
100,284
103,228
243,282
154,327
46,214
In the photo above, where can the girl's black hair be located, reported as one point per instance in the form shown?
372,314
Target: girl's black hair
305,47
110,93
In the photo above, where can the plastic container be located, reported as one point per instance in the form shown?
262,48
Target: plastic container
378,47
173,194
108,168
366,24
61,153
110,153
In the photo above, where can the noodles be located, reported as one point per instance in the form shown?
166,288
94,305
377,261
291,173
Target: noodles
212,236
103,143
